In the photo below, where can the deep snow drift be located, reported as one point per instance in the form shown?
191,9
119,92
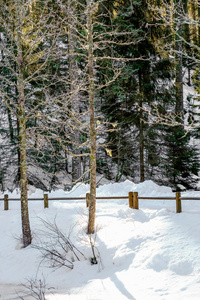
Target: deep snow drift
150,253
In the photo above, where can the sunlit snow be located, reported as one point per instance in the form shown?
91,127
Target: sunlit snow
150,253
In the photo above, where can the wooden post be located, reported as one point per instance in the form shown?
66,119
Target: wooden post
87,199
46,202
178,203
5,202
135,200
130,196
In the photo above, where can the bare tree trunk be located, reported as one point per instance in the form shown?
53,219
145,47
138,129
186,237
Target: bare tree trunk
10,125
194,14
141,130
18,157
198,31
189,77
76,160
26,232
179,66
92,203
75,101
179,85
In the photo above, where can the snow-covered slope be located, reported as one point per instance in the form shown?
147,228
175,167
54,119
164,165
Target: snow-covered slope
150,253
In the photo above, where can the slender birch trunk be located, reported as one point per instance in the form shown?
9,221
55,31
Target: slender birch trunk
141,129
91,92
26,232
75,99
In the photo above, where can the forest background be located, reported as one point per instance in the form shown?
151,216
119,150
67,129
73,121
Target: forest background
98,86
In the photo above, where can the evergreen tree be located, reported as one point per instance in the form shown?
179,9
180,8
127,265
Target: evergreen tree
182,164
143,85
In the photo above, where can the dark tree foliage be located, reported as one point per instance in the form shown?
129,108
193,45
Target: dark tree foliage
182,160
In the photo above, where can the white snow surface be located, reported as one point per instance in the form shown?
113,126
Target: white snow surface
150,253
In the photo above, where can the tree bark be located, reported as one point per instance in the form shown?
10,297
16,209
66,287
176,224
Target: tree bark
92,202
141,130
179,66
75,101
26,232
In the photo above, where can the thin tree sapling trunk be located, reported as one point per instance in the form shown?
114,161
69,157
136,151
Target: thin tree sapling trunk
93,147
26,231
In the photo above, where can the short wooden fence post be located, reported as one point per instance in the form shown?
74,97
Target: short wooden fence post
178,203
46,202
87,199
135,200
130,197
5,202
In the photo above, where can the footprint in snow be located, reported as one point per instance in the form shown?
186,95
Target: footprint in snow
182,268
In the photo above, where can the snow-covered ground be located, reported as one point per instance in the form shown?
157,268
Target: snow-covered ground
150,253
